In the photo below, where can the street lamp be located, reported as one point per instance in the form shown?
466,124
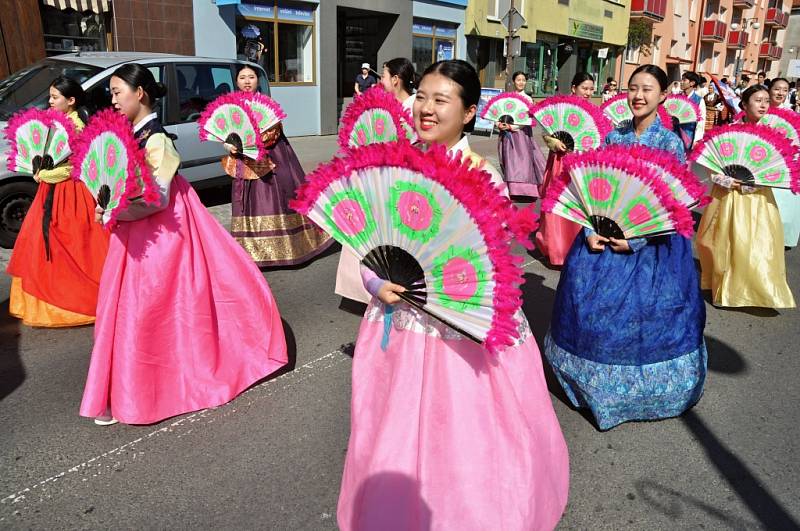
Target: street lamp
755,24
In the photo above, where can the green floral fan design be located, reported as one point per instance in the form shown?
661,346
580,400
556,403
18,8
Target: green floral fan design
415,211
58,147
31,140
580,126
230,119
349,218
783,125
106,165
459,279
372,127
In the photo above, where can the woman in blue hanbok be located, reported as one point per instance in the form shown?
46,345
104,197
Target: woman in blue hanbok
626,337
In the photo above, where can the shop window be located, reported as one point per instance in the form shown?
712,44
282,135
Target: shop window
67,30
431,43
295,53
198,85
279,36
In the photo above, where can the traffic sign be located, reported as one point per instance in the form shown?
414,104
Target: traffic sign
513,20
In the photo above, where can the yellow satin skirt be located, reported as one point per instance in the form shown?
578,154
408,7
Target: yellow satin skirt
36,312
740,245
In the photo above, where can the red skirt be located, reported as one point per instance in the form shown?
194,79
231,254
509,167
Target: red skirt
59,290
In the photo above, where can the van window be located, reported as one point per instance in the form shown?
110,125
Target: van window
99,96
198,85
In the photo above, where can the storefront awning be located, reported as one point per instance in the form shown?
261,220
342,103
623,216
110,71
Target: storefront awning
98,6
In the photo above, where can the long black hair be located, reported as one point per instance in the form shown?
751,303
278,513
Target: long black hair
245,66
403,69
655,71
69,88
135,75
464,75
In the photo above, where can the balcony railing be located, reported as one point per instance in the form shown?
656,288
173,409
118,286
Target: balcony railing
778,52
776,17
653,10
744,3
738,39
714,31
769,51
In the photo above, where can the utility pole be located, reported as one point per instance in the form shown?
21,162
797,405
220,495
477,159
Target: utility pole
512,31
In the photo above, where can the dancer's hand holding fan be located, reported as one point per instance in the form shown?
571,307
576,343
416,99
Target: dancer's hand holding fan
573,120
229,119
682,108
617,110
509,108
375,117
616,196
753,154
39,140
431,224
109,161
686,187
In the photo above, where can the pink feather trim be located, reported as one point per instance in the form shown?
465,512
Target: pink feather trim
601,121
14,123
109,120
790,116
266,101
513,95
373,98
680,215
240,99
779,143
680,97
666,162
495,216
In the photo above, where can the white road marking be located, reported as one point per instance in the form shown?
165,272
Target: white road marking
115,457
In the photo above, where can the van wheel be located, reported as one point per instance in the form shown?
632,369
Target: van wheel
15,199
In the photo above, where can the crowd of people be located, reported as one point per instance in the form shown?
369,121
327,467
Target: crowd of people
442,434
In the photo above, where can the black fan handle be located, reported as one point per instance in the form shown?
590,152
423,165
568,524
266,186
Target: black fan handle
103,196
236,141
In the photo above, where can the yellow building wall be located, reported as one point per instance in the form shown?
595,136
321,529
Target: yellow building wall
552,17
479,22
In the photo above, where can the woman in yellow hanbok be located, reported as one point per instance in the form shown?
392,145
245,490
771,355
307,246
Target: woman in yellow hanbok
740,238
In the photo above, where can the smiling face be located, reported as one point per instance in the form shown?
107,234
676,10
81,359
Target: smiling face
584,90
644,95
756,106
439,112
58,102
778,92
247,80
519,83
126,99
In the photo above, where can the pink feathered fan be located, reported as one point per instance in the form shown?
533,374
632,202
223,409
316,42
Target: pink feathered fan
432,224
579,124
111,164
375,117
230,119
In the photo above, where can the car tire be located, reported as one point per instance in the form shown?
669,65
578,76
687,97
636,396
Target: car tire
15,199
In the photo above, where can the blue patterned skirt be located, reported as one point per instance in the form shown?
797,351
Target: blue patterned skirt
626,338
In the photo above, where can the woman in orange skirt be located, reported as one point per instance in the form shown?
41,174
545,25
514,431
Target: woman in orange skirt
58,257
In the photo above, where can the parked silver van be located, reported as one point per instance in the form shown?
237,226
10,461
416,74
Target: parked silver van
191,82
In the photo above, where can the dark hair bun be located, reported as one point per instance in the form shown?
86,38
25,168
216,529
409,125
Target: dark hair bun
158,90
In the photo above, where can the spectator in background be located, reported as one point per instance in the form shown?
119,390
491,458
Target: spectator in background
610,90
675,88
762,79
743,82
793,96
364,80
693,132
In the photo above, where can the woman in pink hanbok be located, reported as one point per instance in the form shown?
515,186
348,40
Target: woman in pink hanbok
444,435
185,320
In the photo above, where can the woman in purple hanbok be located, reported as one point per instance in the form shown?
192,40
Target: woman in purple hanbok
521,159
261,221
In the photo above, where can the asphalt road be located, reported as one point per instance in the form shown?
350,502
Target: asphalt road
272,458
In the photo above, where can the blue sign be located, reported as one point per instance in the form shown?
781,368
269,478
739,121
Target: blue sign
422,29
444,50
446,32
256,11
296,14
483,124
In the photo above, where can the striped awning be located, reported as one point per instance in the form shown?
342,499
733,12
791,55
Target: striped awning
98,6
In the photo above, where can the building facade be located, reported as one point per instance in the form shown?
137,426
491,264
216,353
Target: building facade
34,29
561,37
791,40
726,38
314,49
